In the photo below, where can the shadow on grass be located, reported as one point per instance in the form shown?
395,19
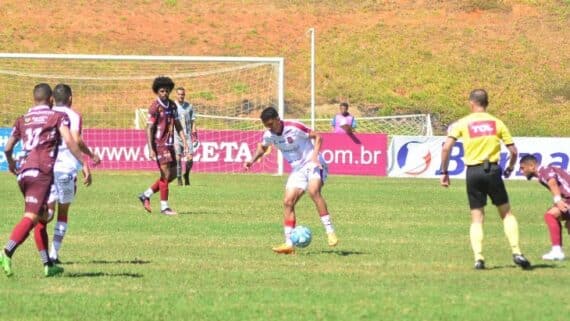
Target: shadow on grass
197,213
135,261
101,274
337,252
533,267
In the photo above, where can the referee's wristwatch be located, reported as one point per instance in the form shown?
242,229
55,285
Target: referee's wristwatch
444,172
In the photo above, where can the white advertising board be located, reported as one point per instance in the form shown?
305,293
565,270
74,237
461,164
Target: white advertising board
420,156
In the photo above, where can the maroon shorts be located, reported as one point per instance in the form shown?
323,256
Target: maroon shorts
35,187
165,155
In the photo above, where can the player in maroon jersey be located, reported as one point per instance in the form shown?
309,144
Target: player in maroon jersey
557,181
40,130
162,121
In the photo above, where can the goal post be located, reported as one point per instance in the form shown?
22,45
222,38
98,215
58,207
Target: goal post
228,94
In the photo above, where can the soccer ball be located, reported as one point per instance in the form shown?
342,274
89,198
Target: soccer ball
301,236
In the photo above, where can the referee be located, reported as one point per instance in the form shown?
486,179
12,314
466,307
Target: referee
482,134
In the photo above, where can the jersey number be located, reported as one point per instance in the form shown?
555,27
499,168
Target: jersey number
32,139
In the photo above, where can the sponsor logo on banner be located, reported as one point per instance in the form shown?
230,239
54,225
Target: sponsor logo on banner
421,155
414,156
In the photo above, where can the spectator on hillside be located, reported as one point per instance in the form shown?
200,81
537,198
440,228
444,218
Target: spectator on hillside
343,122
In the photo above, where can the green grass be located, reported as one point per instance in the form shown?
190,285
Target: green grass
404,255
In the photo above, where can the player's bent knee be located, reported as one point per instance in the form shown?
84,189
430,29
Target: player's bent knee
314,194
32,216
288,203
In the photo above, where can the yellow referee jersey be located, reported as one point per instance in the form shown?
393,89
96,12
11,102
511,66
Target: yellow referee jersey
482,134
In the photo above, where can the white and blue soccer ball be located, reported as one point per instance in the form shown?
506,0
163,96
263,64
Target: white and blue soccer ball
301,236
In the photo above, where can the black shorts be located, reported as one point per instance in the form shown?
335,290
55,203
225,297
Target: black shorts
481,183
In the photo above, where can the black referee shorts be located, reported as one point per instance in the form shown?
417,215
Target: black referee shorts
481,183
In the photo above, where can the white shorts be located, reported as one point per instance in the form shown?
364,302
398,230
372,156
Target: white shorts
63,187
300,178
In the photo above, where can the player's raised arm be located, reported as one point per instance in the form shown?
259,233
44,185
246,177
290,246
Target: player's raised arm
259,152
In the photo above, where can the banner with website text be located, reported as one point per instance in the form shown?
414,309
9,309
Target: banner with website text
355,154
219,151
225,151
419,156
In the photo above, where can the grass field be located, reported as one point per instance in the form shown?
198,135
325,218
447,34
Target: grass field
404,254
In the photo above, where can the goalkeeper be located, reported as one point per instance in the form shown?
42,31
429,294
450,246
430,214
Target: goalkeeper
187,117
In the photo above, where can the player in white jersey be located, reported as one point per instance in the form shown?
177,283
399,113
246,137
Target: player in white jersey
66,168
309,170
187,119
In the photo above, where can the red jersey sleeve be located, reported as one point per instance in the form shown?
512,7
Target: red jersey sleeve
152,114
547,173
63,120
16,132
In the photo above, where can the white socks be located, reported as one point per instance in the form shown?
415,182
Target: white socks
58,234
326,220
148,193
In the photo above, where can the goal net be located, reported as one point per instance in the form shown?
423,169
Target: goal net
408,125
113,94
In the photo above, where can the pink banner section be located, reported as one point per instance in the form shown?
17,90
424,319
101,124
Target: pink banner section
219,151
226,150
355,154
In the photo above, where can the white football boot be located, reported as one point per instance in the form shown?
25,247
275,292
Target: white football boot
554,255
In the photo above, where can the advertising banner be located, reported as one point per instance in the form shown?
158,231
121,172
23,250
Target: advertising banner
419,156
219,151
355,154
226,150
4,135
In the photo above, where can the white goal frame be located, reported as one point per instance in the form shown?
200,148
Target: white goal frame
279,61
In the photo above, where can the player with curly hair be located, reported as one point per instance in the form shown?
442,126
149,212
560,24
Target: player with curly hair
162,122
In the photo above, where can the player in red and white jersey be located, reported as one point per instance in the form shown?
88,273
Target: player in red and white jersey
40,131
66,168
557,181
309,172
162,122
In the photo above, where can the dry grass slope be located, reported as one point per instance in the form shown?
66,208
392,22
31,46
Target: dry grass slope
384,57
